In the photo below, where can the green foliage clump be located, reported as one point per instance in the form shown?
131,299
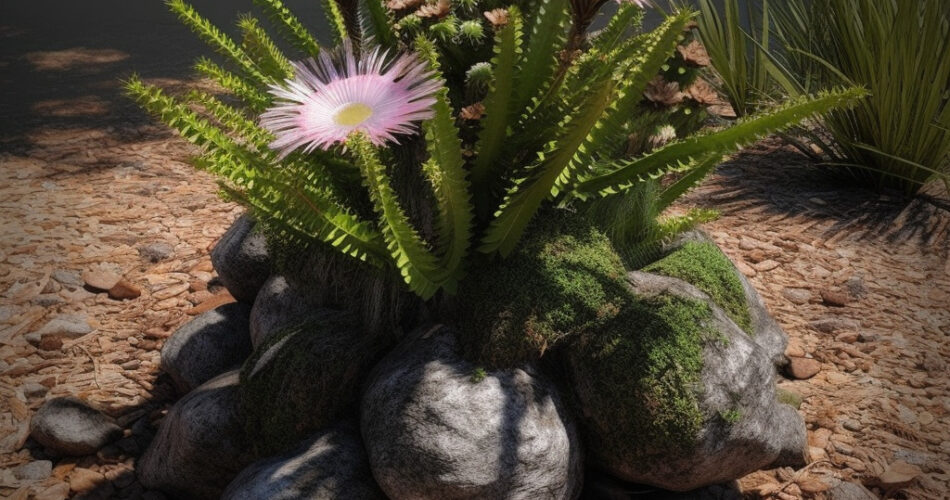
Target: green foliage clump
899,137
534,114
640,376
731,416
563,280
704,266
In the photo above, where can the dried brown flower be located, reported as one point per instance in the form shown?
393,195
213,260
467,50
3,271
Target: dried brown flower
497,17
402,4
663,92
473,112
694,53
438,9
704,93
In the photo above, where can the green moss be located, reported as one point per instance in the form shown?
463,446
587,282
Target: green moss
563,279
478,375
640,378
303,379
705,266
788,397
731,416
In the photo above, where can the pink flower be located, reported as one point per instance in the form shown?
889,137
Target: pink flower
326,101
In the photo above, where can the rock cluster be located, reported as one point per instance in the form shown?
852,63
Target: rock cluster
676,391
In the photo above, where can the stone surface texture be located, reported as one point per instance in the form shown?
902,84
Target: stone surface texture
437,427
241,259
280,305
331,465
70,426
207,346
201,445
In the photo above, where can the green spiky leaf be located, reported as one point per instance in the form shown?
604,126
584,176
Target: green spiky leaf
289,26
678,155
417,264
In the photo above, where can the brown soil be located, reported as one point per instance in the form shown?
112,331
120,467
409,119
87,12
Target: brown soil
87,184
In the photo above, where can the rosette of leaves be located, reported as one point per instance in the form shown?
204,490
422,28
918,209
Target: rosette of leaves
553,108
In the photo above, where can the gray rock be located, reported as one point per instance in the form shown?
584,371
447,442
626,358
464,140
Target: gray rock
834,324
332,465
436,426
68,277
65,325
33,471
278,306
48,300
207,346
305,378
798,296
644,419
766,331
844,490
156,251
34,390
69,426
200,446
241,259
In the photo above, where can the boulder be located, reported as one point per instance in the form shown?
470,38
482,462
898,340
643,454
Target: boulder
305,378
201,445
207,346
280,305
675,395
332,280
241,259
69,426
695,258
438,426
330,465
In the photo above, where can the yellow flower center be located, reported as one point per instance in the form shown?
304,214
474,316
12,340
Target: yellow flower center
352,114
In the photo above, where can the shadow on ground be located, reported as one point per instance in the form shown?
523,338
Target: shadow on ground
784,183
62,63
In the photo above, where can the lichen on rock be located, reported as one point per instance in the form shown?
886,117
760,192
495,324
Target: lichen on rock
704,266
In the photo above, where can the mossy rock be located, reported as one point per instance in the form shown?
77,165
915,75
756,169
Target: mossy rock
641,377
564,278
671,392
695,258
703,265
305,378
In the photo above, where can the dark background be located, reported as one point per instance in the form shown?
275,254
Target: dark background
62,62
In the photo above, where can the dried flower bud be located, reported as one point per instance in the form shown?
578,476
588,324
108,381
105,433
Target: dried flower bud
497,17
402,4
694,54
704,93
473,112
663,92
439,9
